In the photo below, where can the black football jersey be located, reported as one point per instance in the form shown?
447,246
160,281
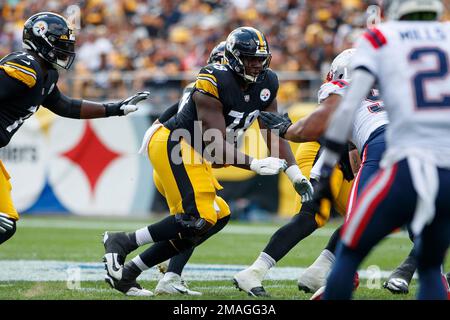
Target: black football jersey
240,107
23,88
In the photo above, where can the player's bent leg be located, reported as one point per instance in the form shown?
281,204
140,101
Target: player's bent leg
281,242
376,215
172,282
398,282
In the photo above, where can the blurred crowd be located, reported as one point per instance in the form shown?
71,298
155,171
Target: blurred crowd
125,45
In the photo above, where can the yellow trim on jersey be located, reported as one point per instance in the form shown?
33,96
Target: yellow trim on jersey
19,74
212,77
22,67
207,85
6,203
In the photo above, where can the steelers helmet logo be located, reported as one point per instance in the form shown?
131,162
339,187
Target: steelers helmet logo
265,94
40,28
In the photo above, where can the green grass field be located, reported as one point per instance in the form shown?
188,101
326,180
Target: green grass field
76,239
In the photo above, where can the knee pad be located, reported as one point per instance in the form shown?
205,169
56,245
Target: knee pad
190,226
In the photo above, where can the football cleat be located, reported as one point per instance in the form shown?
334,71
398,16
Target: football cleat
117,246
174,284
249,280
129,288
397,285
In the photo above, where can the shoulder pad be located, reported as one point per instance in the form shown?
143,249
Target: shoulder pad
333,87
207,79
20,66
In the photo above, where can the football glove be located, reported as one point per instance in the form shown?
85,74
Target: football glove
268,166
6,224
322,197
126,106
278,123
300,182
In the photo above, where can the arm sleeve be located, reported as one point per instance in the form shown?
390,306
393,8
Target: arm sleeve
63,105
168,113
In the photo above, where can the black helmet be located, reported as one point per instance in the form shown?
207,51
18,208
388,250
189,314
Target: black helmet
50,36
247,42
217,54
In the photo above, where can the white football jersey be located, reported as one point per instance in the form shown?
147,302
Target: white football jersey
368,117
410,60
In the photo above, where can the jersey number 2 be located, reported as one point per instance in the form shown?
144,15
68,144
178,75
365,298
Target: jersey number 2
419,80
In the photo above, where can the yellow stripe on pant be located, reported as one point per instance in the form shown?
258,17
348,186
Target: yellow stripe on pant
6,203
306,156
184,178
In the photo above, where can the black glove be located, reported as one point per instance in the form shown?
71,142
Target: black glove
277,122
322,197
126,106
345,166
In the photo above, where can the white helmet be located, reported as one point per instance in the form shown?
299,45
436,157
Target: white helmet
396,9
340,67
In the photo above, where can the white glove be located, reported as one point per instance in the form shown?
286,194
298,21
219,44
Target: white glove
126,106
6,224
268,166
300,182
130,104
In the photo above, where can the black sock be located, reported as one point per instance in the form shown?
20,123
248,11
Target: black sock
165,229
287,237
177,263
332,243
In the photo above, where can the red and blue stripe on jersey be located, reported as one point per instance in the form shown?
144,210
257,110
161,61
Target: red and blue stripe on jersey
375,37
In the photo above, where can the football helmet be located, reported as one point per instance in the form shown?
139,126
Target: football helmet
217,54
244,43
50,36
396,9
340,67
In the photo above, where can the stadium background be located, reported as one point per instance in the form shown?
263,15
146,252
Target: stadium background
124,46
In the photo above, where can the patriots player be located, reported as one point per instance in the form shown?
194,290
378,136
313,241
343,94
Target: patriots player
368,138
28,79
408,55
225,101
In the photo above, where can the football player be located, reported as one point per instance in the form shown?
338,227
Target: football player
28,79
368,138
172,282
224,102
407,55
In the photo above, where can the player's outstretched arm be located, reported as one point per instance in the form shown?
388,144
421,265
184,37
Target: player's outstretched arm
339,130
84,109
218,150
310,128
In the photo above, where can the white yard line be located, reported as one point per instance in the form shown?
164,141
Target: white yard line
47,270
60,223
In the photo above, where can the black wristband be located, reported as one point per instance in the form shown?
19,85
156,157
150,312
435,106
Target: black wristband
113,109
